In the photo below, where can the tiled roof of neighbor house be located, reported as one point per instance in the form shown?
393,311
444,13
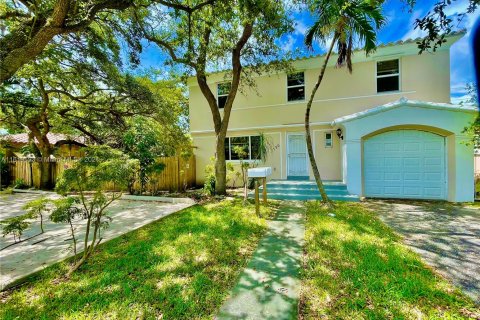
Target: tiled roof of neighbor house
405,102
54,138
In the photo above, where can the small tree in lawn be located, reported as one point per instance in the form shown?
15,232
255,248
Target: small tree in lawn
65,210
35,209
102,166
15,226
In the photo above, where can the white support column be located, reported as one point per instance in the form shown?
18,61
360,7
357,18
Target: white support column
464,170
353,166
344,161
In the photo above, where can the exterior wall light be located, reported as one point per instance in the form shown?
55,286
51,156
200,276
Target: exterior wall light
339,133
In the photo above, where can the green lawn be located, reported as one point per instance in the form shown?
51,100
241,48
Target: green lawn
181,267
357,268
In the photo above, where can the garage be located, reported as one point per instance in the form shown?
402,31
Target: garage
408,164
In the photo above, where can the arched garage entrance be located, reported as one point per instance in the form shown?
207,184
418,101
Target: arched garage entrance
407,163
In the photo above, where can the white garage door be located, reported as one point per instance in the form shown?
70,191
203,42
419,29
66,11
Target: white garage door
405,164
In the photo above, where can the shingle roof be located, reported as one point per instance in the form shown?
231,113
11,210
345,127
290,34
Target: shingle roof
54,138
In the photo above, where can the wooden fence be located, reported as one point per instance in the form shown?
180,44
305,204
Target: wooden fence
178,174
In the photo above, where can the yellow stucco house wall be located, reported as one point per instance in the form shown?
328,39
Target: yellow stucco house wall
423,84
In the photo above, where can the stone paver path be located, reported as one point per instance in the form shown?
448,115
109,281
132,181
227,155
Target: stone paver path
22,259
447,236
269,287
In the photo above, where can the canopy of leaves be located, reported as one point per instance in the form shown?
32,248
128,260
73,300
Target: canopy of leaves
438,24
203,40
29,27
64,210
77,86
351,23
35,207
74,85
15,226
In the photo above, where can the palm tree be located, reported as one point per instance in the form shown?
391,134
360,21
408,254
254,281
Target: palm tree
347,21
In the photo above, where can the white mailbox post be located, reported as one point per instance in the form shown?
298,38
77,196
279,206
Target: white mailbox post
260,173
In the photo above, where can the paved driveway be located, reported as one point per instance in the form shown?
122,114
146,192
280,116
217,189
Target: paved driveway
446,235
21,259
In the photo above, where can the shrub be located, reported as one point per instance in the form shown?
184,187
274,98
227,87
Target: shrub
36,208
65,211
209,185
15,226
102,166
20,184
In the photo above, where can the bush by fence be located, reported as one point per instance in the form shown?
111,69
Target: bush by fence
178,174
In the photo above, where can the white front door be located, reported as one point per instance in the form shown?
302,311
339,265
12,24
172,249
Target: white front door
405,164
296,155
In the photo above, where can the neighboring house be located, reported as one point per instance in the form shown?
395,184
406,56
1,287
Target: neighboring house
64,146
387,130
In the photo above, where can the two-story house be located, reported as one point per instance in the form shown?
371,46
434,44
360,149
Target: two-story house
387,130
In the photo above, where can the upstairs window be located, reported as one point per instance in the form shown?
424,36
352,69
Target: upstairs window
328,140
249,144
388,75
296,86
223,90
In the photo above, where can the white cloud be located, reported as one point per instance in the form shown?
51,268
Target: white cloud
300,28
414,33
461,56
456,7
288,44
462,100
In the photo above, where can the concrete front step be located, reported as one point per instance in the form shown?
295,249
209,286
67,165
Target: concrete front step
303,187
310,191
303,197
306,190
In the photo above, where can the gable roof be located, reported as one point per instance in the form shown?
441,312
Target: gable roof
53,138
405,102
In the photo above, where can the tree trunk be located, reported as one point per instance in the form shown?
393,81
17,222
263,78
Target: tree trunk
41,223
311,156
220,166
72,231
45,174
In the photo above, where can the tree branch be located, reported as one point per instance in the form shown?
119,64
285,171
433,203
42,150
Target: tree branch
185,8
236,73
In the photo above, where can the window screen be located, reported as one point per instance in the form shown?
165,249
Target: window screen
296,86
328,140
222,93
249,144
388,76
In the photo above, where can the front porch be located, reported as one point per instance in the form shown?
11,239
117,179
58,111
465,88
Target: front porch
307,190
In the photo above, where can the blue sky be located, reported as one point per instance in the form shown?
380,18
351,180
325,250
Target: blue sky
399,26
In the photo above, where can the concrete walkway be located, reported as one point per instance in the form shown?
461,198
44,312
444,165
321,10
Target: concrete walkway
269,287
446,235
22,259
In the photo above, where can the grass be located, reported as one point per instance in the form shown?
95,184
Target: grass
180,267
357,268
